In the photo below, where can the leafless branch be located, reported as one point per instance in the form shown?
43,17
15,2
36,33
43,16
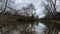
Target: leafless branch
5,7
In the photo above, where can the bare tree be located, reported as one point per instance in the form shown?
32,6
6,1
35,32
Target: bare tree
5,7
4,4
50,8
29,10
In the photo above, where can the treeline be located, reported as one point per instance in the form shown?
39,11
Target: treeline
55,17
28,18
26,13
51,10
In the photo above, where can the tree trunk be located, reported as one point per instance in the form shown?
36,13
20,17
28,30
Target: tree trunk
5,7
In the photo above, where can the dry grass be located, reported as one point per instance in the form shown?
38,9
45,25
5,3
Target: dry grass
8,19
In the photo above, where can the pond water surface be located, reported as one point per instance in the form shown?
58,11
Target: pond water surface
24,28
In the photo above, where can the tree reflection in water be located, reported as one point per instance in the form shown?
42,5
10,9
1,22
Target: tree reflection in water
52,28
30,28
24,28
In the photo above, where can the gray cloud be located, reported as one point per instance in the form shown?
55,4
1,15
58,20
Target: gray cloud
20,3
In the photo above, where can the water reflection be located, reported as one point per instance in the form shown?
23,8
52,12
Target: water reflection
24,28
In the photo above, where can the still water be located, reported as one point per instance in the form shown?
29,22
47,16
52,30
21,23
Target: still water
24,28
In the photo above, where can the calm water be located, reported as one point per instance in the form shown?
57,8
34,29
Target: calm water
24,28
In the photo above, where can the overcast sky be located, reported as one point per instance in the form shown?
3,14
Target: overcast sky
38,5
